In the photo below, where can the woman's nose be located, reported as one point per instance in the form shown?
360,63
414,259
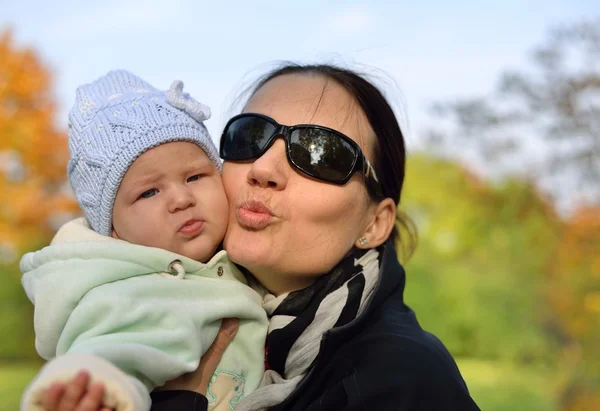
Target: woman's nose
271,169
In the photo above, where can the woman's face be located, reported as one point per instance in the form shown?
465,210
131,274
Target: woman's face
313,223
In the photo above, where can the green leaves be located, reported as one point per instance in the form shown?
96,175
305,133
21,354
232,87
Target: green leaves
499,277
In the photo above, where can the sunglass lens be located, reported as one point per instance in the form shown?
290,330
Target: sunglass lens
322,154
245,138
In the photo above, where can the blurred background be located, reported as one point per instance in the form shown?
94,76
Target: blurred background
500,103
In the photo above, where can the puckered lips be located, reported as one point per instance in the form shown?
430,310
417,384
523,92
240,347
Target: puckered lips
254,214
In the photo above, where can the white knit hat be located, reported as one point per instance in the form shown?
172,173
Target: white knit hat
116,119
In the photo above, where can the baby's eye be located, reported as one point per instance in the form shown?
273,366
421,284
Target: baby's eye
149,193
194,178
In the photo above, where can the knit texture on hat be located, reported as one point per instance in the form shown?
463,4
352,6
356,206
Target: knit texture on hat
114,120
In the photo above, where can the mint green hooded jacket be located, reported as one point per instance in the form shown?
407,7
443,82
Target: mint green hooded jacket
137,316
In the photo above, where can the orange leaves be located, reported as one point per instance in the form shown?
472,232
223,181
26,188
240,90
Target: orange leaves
24,77
577,264
33,153
582,240
27,113
575,278
573,294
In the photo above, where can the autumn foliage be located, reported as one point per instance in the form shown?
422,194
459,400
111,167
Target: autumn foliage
33,152
499,275
573,294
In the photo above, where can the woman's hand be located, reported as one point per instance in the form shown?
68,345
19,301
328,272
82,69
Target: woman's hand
75,395
198,380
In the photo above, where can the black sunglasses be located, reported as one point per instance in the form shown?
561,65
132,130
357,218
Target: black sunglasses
320,152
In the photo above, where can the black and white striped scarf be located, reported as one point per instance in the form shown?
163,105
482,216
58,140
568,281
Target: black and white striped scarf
299,319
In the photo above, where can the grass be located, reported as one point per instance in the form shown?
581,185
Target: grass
14,377
494,386
504,387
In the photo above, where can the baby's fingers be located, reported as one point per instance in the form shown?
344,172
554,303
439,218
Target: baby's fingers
74,392
52,396
92,400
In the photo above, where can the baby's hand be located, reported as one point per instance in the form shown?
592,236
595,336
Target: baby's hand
75,395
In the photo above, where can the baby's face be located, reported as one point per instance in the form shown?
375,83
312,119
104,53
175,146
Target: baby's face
172,198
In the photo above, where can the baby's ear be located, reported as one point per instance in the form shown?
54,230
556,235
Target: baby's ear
114,234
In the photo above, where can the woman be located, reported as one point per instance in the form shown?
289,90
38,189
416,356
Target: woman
313,219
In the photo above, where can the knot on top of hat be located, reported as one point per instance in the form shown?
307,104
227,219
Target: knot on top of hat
183,101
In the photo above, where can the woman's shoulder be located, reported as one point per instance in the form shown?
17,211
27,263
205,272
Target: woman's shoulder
394,340
419,356
393,360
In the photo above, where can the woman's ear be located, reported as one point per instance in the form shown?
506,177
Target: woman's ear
382,220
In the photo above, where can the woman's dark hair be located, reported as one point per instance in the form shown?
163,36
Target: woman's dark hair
389,152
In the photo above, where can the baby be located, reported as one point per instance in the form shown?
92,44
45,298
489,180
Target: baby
134,292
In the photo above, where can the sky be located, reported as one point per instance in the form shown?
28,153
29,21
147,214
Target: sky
422,52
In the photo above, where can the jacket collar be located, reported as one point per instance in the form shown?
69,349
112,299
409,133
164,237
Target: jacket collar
392,280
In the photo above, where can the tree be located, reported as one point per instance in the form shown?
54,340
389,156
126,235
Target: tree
550,113
545,123
499,276
33,156
573,294
476,278
33,152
